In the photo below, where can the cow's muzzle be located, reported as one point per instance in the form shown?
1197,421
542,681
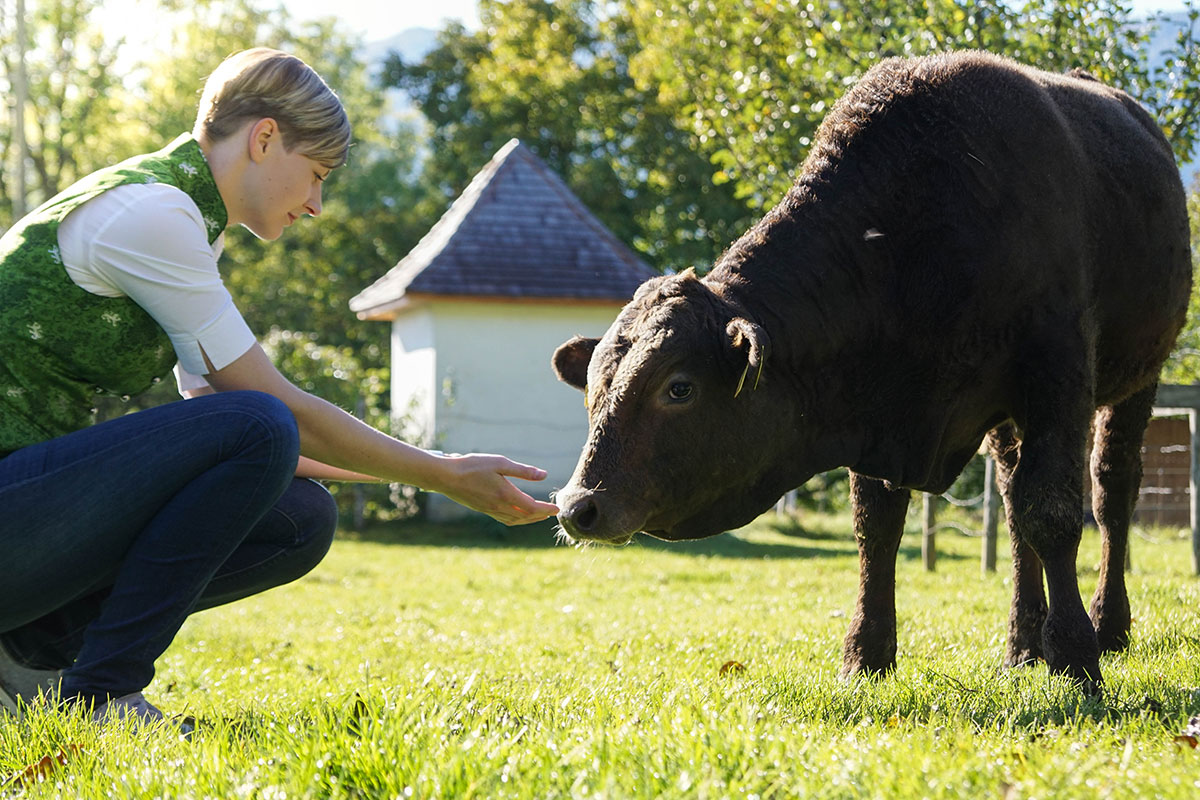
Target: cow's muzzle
582,518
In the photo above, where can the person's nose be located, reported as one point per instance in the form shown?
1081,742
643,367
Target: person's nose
313,205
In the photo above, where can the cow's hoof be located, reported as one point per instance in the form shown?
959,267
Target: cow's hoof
1087,679
1024,647
1071,649
855,671
1015,657
1112,638
1111,625
869,649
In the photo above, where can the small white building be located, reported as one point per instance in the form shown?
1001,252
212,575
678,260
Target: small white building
514,268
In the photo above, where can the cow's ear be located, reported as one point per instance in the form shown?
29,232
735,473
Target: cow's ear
571,361
745,334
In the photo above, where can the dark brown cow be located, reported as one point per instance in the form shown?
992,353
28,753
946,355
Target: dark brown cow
973,250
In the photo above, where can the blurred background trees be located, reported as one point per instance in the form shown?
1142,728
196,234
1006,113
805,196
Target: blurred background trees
678,122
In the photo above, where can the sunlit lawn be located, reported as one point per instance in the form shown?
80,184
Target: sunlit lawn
472,661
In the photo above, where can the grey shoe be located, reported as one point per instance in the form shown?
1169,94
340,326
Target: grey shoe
135,706
20,685
130,706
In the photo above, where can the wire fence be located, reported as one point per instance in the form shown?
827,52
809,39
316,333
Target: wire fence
1167,497
988,501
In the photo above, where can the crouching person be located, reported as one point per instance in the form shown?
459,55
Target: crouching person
114,533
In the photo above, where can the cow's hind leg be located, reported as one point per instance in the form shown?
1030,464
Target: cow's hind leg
1116,477
870,646
1027,614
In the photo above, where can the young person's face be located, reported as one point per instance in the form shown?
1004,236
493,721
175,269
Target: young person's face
287,186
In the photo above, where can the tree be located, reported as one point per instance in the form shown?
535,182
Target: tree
1184,364
555,75
754,80
680,121
78,116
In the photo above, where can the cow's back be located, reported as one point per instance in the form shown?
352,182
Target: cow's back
1012,204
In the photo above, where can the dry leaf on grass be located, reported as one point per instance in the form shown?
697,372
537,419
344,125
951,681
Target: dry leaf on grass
44,768
1191,734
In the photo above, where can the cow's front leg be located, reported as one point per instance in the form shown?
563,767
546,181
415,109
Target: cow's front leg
1027,615
1047,514
878,525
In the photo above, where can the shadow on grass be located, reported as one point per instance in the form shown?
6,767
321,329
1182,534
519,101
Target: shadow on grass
786,525
987,699
798,541
484,533
731,546
479,532
793,527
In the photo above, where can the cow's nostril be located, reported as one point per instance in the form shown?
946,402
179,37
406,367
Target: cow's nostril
583,514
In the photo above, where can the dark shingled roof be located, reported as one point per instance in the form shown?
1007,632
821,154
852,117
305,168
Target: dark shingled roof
517,231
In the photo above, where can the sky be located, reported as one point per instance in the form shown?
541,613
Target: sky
380,19
372,19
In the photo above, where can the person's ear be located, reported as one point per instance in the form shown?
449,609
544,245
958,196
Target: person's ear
263,134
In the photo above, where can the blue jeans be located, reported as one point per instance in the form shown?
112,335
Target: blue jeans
111,536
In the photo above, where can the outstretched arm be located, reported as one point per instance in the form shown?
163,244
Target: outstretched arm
332,437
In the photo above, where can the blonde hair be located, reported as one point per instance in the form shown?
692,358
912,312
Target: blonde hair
262,82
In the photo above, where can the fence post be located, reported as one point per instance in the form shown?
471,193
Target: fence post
1195,481
991,508
928,541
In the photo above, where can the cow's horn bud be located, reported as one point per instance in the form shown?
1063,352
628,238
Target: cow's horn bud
742,332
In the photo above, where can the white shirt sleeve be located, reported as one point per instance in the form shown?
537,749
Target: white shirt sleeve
186,381
148,242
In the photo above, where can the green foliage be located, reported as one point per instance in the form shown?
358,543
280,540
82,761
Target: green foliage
680,121
1172,92
78,115
556,75
1184,364
479,662
340,376
754,80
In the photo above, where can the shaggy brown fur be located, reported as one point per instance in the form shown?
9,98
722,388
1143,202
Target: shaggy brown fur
973,249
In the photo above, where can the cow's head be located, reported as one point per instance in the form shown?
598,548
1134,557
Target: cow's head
681,425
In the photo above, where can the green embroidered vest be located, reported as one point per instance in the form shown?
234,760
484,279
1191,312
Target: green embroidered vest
60,345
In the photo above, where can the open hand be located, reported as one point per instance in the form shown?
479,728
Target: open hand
480,482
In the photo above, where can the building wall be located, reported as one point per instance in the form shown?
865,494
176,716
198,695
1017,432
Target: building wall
414,364
492,387
1164,498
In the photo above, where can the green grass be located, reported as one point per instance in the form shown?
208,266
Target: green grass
471,661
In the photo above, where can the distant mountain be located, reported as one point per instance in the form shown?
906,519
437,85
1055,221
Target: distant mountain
412,44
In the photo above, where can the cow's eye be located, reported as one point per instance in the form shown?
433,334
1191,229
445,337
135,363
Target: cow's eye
680,391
